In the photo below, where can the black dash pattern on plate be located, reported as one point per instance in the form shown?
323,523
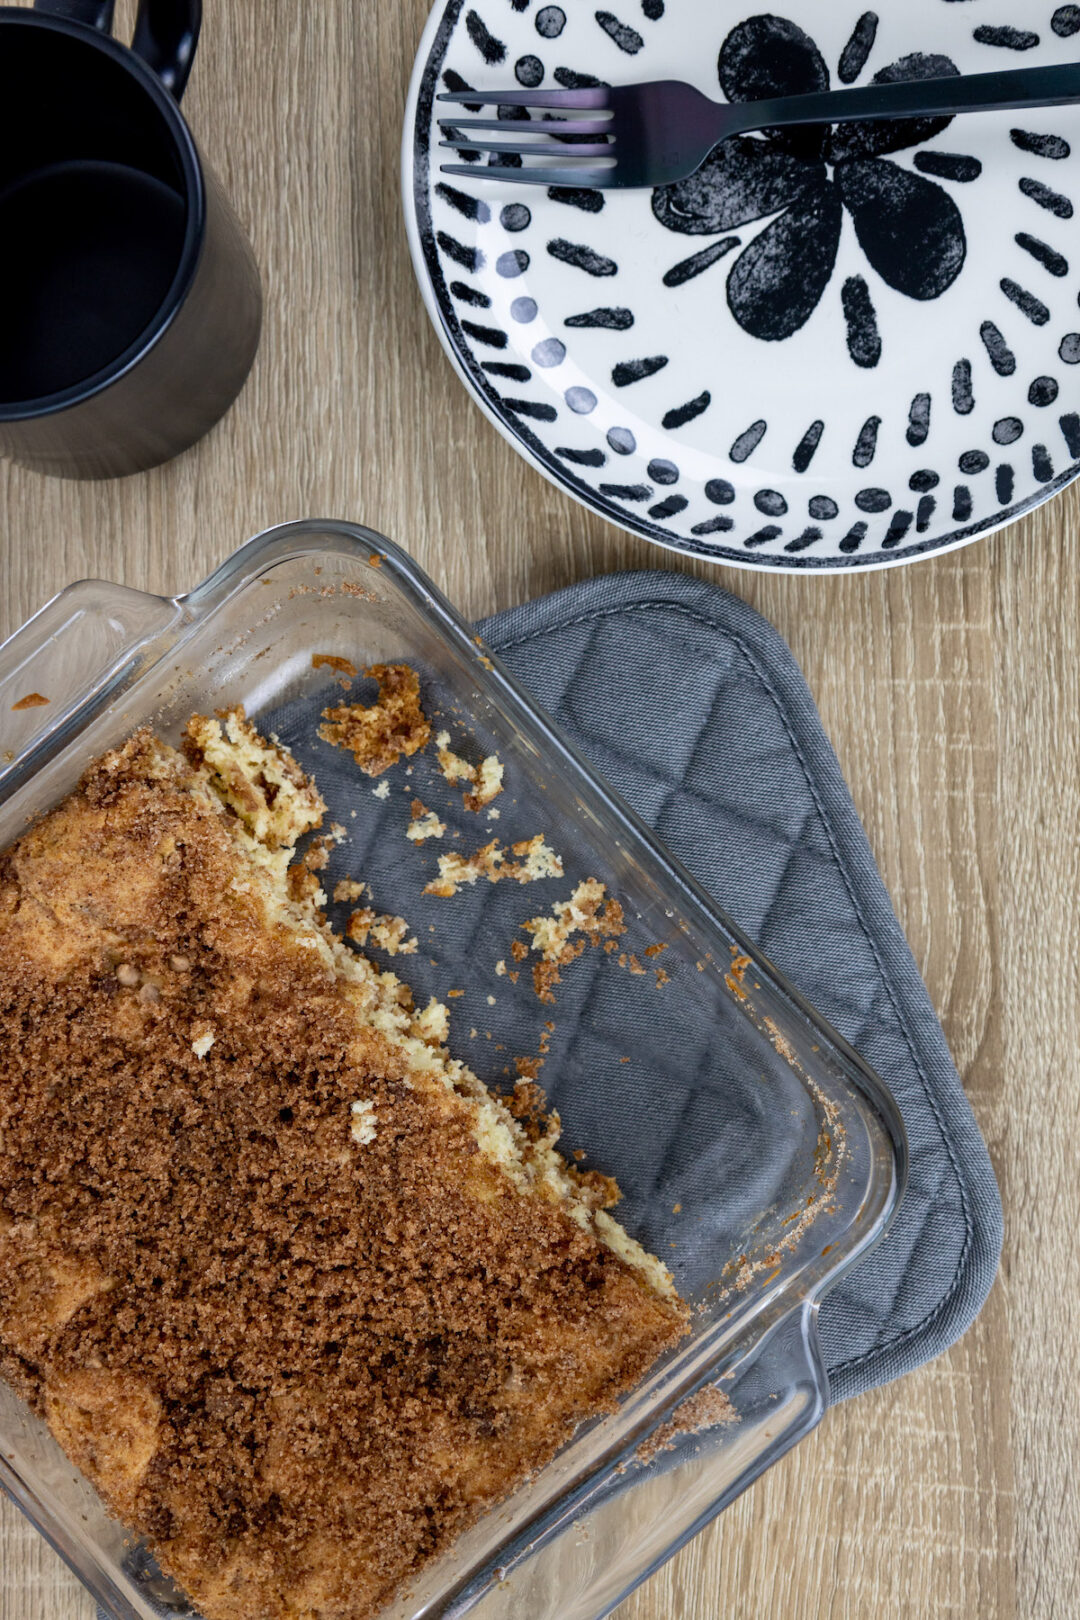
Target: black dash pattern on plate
507,368
453,81
807,445
493,336
1048,257
899,524
632,371
1047,146
918,428
863,338
961,509
853,57
470,295
1001,356
1041,464
613,320
1007,39
583,197
1004,484
469,258
627,492
1070,428
679,415
582,257
1026,302
626,38
866,443
854,537
582,458
802,542
948,166
714,525
669,507
687,269
924,512
534,408
491,49
963,397
771,531
1052,201
748,441
471,207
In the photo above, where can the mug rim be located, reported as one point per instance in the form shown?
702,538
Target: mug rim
38,405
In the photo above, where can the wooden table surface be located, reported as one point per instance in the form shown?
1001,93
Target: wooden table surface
950,690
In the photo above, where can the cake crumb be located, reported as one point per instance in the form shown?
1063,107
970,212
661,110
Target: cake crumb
380,792
32,700
706,1409
378,734
500,969
533,860
424,824
348,889
586,914
345,667
485,779
635,965
202,1044
382,930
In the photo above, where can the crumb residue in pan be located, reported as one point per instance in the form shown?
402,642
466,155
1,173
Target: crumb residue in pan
378,734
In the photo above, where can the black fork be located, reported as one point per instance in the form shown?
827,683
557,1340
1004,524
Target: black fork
653,134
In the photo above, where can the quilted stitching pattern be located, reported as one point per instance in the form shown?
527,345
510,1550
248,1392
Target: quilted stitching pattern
693,708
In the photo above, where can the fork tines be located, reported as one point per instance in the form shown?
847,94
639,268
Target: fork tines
562,141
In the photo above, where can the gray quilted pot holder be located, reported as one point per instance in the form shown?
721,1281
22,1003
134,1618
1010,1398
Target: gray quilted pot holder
692,706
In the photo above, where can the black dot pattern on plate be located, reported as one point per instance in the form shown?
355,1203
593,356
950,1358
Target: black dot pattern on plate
529,71
491,49
622,441
1007,429
923,480
1043,391
653,9
626,38
823,508
972,462
1001,356
515,217
770,503
720,492
1066,21
580,400
1008,39
512,263
1069,349
873,500
632,371
523,310
550,22
582,257
1052,201
549,352
663,472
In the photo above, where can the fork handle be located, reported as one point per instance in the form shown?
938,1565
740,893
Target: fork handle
911,98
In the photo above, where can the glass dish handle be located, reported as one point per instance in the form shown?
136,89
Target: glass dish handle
628,1525
84,646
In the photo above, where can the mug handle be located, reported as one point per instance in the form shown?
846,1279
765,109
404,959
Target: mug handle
166,32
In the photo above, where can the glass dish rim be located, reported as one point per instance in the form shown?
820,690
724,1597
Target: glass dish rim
184,615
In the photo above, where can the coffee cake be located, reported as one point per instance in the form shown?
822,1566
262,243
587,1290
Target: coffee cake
295,1292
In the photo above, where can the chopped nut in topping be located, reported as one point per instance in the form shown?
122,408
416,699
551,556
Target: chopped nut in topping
535,860
377,734
485,779
362,1123
202,1043
128,975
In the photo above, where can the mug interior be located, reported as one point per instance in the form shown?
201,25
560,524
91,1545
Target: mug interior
98,202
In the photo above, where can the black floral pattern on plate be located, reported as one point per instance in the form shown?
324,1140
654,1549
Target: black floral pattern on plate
909,228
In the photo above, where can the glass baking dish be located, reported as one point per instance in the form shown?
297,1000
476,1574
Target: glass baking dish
758,1155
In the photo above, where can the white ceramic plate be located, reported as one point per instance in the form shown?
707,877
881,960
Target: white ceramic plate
829,349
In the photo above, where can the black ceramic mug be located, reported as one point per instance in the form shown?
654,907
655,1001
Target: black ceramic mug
129,296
